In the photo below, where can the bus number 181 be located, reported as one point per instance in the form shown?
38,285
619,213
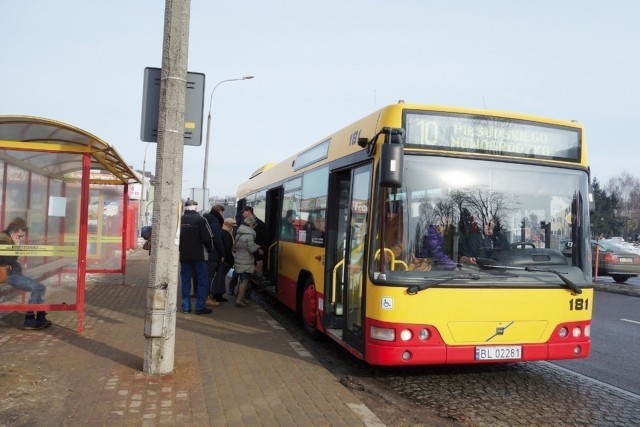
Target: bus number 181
578,304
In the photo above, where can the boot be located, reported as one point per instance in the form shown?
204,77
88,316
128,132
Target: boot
242,291
41,319
34,322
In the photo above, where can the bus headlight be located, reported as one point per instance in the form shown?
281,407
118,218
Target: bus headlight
406,335
587,331
383,334
424,334
576,332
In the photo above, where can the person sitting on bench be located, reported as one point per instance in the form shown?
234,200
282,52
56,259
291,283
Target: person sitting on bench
14,234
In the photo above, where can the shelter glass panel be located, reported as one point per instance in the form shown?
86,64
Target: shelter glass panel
104,248
47,200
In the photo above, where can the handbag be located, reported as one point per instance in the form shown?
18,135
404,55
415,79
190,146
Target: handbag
4,273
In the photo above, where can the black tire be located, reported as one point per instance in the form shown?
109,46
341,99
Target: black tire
619,278
309,309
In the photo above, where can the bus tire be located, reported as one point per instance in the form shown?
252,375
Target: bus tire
309,309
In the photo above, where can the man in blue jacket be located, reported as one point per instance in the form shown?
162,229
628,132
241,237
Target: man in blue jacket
195,244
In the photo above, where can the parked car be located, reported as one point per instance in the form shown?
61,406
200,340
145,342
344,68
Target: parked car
615,258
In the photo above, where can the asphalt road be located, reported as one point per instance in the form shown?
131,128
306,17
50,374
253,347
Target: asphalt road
633,282
615,342
542,393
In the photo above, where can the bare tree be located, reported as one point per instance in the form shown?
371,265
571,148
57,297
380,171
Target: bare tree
488,205
626,189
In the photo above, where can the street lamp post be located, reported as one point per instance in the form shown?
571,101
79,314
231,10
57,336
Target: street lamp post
144,170
206,146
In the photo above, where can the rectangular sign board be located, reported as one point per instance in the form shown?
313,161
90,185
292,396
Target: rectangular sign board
194,105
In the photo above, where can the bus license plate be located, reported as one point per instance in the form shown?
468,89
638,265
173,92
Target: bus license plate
511,352
625,260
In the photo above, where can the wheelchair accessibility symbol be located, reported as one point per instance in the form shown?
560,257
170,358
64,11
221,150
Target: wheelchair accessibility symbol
387,303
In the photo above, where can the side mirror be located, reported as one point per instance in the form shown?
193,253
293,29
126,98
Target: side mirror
391,165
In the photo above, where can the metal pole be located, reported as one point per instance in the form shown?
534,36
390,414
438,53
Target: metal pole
206,145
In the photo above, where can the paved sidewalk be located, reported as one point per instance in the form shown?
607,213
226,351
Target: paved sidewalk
233,367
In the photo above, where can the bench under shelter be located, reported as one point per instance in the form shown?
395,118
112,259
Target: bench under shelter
72,188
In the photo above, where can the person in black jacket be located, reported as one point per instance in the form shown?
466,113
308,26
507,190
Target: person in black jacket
227,240
195,244
216,256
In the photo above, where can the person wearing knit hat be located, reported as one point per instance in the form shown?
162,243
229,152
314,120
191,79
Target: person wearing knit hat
192,205
250,221
230,223
227,240
195,243
244,262
216,257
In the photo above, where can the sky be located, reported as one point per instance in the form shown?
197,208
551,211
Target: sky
320,66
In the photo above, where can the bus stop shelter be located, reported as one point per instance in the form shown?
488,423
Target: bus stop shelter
72,189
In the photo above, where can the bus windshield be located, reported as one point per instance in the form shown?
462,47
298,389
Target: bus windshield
459,214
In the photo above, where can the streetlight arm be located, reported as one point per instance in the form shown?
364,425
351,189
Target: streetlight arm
224,81
206,146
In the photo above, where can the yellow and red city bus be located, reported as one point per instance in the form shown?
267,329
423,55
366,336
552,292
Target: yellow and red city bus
434,235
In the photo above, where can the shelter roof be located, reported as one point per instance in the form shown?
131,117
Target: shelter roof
50,148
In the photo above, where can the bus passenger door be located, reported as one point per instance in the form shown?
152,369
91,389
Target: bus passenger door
349,193
272,221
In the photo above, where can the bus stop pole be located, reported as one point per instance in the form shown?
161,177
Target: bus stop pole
162,288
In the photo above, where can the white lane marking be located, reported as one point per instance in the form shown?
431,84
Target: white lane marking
584,377
631,321
274,324
298,348
365,414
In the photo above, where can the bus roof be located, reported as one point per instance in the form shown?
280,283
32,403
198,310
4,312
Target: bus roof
344,141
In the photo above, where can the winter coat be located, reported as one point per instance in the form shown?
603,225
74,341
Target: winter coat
5,239
245,247
195,237
261,237
431,247
215,221
393,236
227,242
492,243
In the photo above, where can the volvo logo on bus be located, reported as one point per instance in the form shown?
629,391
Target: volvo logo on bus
500,330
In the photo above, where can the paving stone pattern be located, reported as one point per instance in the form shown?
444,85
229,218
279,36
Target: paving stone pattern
232,367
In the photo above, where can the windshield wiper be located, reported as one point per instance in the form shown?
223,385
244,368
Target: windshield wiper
414,289
492,265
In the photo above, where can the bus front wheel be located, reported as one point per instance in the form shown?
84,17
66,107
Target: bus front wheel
310,309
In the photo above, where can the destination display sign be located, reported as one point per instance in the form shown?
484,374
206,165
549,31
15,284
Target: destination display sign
492,135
